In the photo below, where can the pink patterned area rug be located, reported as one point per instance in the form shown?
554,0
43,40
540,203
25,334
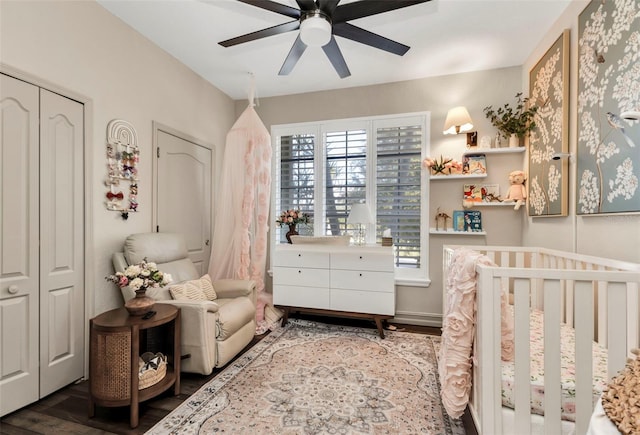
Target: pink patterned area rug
314,378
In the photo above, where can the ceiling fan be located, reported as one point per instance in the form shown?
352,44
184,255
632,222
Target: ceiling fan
318,22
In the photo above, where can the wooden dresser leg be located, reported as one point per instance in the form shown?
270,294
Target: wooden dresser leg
285,316
379,325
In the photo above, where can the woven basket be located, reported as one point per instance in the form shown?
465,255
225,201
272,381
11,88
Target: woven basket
151,376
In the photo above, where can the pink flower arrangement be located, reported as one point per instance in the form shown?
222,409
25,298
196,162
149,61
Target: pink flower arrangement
292,217
140,276
446,165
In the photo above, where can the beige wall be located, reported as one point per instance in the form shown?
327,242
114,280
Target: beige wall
436,95
78,47
614,236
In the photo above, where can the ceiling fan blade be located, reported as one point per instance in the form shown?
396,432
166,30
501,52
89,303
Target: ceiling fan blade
274,7
292,58
275,30
352,11
328,6
335,57
363,36
307,5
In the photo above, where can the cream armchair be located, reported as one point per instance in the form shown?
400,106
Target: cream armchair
213,332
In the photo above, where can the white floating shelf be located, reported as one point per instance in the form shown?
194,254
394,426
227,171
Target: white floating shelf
505,150
456,176
456,233
494,204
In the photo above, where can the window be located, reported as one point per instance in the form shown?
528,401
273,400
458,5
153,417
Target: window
323,168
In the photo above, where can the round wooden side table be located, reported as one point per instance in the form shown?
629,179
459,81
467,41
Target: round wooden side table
117,340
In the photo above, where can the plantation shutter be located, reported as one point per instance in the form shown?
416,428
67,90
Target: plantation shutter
297,176
398,173
346,172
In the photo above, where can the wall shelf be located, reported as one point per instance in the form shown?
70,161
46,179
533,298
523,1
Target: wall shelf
494,204
505,150
456,176
451,232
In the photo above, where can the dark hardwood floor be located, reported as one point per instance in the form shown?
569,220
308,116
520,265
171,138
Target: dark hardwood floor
66,411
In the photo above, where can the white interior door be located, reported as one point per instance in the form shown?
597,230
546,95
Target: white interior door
184,186
19,280
61,242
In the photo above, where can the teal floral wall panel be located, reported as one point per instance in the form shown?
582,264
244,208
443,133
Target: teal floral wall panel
608,166
549,90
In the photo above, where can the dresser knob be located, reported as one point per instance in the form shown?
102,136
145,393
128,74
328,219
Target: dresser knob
13,289
299,255
361,257
299,271
360,274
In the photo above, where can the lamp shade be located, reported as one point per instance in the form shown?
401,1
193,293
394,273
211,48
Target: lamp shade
458,121
360,214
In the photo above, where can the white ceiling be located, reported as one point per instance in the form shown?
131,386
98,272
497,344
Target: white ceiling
445,36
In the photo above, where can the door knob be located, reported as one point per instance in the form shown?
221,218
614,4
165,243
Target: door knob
13,289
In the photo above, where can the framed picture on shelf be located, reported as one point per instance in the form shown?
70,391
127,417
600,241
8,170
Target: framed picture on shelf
474,164
607,165
548,181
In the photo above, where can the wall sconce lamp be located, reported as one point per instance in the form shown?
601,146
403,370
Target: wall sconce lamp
631,115
360,216
562,156
459,121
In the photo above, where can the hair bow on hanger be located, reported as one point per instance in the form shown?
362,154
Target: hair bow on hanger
113,196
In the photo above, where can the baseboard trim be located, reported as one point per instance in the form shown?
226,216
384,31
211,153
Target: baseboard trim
416,318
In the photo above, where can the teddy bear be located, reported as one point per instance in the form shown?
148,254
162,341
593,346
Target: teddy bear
517,192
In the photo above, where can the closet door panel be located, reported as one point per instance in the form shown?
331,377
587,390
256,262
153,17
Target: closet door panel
19,214
62,233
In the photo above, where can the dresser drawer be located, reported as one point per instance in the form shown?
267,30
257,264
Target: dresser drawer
299,276
295,296
382,261
363,280
363,302
301,258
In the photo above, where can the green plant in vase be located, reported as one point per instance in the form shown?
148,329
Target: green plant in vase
513,121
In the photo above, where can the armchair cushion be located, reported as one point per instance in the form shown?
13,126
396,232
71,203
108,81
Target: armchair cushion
195,290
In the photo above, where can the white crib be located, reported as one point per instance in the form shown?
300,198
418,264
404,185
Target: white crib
598,297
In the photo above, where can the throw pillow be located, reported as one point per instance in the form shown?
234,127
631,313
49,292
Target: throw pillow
195,290
207,287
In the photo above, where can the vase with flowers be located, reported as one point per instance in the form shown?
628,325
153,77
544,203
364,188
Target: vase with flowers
513,122
444,166
291,218
139,277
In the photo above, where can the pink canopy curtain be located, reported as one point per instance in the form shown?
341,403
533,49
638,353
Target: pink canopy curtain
239,247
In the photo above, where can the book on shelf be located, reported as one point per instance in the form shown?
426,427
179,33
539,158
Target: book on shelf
471,193
458,220
490,192
474,164
472,221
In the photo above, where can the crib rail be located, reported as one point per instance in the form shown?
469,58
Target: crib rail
599,297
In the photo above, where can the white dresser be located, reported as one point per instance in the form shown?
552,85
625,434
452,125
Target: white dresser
355,281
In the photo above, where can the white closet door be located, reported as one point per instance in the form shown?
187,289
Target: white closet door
184,194
61,242
19,279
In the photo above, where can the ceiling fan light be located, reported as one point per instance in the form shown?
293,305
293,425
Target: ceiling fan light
315,31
